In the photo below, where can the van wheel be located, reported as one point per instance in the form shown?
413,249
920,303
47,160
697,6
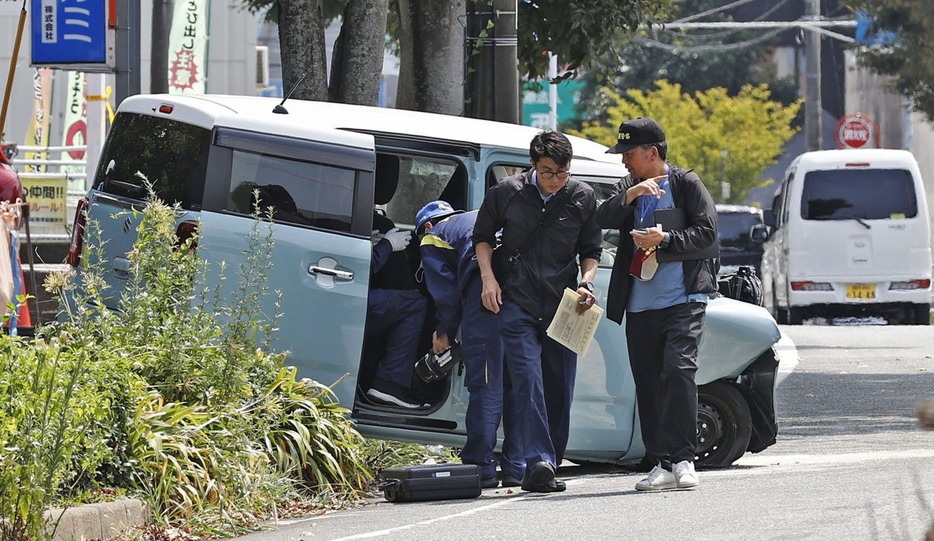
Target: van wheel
780,314
724,425
922,313
795,315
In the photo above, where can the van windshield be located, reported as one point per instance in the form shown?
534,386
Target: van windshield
870,194
733,228
171,155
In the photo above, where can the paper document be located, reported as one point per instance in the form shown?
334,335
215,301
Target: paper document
571,330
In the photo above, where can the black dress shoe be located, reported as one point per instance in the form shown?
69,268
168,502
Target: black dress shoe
541,478
492,482
510,481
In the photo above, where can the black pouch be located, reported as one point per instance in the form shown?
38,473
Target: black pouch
434,482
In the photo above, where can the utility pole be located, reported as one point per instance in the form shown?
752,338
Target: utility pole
162,12
813,109
492,80
127,50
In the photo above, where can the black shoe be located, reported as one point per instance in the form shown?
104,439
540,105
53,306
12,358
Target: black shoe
541,478
510,481
491,482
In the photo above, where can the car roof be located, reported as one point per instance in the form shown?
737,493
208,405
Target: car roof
309,118
837,158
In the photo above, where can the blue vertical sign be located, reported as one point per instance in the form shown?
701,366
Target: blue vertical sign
69,32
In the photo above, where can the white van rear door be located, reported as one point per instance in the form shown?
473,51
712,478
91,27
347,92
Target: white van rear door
860,224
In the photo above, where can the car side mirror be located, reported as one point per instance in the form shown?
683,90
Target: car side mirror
759,233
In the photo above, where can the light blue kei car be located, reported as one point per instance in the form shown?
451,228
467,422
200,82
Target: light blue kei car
320,164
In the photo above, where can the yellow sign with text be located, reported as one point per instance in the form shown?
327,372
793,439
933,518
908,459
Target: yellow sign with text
47,204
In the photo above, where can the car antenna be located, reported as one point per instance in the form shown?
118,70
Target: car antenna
279,109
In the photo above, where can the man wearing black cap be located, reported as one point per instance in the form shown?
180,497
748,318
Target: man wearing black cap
665,309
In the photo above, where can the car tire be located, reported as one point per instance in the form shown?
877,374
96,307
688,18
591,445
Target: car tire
795,315
922,313
724,425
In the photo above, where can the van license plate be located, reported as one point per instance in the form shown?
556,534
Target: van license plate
861,291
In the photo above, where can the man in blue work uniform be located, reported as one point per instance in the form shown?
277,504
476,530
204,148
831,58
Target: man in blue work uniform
395,308
453,281
548,221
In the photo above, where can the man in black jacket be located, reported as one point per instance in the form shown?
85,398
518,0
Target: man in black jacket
548,221
664,311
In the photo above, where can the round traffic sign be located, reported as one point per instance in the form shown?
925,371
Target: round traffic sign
855,131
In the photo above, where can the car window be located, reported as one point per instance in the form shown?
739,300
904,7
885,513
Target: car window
870,194
172,155
733,228
603,190
423,179
300,192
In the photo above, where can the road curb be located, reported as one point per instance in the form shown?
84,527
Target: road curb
98,520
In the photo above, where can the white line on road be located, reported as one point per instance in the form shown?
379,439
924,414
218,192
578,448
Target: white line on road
836,458
787,357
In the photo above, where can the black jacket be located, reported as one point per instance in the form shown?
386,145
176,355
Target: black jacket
549,264
690,194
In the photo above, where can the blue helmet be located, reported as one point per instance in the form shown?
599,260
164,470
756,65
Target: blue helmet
435,209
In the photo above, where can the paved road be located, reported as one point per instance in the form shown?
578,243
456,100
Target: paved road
850,463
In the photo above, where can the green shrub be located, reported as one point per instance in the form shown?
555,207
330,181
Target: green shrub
179,399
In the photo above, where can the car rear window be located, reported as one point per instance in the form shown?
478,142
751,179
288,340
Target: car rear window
733,227
172,155
870,194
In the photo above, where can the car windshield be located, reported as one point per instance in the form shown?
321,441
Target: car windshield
870,194
733,228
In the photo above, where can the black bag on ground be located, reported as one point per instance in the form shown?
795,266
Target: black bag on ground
434,482
742,285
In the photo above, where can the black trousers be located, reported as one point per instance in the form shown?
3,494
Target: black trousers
663,356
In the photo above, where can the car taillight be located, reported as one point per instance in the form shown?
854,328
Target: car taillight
185,231
77,233
911,284
811,286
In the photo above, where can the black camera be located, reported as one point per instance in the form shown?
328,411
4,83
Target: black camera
433,367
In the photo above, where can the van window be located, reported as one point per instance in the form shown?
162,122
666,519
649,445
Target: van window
422,179
301,193
171,154
871,194
733,228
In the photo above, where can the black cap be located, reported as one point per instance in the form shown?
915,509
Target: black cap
633,133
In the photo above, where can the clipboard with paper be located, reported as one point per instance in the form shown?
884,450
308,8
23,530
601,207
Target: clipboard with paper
572,330
673,220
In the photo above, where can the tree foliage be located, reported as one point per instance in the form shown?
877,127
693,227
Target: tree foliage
578,31
751,128
902,48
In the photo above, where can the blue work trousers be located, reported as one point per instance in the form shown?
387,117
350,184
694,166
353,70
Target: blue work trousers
398,315
482,350
542,374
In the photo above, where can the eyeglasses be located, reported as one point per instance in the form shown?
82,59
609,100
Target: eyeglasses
548,175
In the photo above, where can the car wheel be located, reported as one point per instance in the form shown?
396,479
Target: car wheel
724,425
795,315
922,314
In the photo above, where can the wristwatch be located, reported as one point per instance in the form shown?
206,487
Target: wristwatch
586,285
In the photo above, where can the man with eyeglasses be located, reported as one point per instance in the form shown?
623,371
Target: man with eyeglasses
548,223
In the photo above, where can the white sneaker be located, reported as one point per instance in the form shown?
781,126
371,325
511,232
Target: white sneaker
685,474
659,479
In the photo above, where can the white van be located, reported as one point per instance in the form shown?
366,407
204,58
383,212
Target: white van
851,236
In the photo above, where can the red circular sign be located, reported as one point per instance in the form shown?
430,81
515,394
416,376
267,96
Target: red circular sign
855,131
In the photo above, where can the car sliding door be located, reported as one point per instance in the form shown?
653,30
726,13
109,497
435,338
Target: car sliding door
318,249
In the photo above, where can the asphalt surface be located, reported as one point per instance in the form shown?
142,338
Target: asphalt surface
851,462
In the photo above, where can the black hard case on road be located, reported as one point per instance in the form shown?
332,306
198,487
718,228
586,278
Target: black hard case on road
434,482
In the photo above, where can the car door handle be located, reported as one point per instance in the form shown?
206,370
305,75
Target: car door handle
334,273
